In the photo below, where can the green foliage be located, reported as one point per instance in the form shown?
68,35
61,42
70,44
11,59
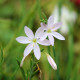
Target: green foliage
14,15
1,62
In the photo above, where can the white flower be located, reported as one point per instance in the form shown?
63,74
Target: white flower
32,42
67,16
50,30
52,62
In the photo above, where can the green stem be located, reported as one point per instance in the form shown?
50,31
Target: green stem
54,52
49,65
57,61
57,57
49,49
71,53
31,67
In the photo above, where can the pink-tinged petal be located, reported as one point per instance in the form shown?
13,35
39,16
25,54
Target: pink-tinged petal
56,26
23,40
50,21
43,25
51,39
22,62
43,36
37,52
58,36
39,32
44,42
29,32
51,62
28,49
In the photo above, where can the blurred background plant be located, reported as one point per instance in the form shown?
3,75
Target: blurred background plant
15,14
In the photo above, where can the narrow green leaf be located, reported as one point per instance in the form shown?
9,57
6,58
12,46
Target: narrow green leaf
1,61
22,70
42,50
71,53
36,72
14,74
43,14
1,56
49,50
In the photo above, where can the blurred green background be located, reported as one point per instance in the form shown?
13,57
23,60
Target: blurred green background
15,14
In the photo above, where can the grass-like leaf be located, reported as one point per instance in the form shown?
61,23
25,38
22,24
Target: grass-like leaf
22,70
42,50
1,56
1,61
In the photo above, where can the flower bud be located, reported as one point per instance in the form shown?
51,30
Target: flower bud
52,62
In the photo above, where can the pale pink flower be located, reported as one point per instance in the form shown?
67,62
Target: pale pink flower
68,16
50,31
52,62
32,42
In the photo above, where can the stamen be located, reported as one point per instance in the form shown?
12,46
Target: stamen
49,31
34,40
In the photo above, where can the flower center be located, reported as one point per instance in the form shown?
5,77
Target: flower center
49,31
34,40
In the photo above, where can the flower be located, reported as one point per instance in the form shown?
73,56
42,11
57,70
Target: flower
32,42
50,31
52,62
67,16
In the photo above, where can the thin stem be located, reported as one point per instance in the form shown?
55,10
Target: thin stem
57,57
71,53
49,49
49,65
57,60
31,67
54,52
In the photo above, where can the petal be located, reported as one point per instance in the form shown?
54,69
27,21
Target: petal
39,31
44,42
58,36
23,40
37,52
43,36
28,49
56,26
50,21
64,28
55,13
43,25
51,39
29,32
52,62
22,62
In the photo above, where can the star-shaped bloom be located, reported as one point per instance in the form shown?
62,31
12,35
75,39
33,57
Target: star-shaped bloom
32,41
50,31
51,62
67,17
